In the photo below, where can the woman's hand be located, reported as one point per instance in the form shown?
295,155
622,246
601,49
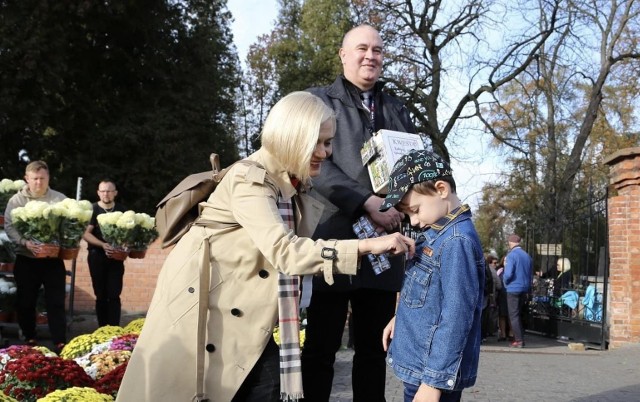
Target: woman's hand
394,244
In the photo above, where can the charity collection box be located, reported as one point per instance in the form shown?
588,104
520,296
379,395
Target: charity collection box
382,151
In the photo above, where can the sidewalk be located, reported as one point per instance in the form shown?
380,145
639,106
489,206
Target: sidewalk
545,370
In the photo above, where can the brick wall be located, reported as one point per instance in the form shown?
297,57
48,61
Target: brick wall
624,247
139,281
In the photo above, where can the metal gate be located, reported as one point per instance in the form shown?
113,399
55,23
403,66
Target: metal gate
569,295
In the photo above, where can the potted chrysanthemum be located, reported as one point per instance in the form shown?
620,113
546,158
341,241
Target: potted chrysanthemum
7,189
141,235
74,221
39,222
115,227
129,231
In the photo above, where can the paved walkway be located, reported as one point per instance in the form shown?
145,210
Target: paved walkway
546,370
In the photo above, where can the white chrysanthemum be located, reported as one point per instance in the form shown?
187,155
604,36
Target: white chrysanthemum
145,220
11,186
35,209
18,214
54,210
86,205
5,185
110,218
7,287
127,220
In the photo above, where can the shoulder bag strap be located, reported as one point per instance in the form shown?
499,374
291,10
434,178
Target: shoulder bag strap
203,308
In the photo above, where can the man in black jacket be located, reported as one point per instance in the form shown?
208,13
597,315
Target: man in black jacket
345,189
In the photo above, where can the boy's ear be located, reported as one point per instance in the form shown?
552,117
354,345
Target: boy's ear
443,188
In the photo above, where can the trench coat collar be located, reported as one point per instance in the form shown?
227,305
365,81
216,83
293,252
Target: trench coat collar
276,170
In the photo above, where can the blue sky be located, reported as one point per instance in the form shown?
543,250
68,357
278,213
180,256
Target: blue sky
473,164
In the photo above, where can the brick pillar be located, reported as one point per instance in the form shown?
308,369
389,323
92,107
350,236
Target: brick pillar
624,247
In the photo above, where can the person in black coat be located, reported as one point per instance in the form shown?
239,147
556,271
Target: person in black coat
345,189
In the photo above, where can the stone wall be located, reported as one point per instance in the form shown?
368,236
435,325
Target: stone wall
624,247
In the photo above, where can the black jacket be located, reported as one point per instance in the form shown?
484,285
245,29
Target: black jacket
344,185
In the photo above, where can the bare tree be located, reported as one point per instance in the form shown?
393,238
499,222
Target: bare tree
548,116
442,57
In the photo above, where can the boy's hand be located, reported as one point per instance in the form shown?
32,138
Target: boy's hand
387,334
427,393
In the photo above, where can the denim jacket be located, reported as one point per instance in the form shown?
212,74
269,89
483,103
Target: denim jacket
437,331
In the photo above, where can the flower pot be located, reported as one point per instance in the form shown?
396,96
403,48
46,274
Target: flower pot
118,254
68,253
47,251
7,266
137,253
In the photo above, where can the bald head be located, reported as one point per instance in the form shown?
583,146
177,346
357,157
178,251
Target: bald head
361,56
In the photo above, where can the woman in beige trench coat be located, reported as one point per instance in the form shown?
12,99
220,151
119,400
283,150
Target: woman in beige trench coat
248,244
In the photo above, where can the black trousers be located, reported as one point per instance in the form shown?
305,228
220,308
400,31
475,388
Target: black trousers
263,382
326,316
516,302
106,277
31,274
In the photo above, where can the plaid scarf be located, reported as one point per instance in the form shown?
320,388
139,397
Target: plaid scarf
288,308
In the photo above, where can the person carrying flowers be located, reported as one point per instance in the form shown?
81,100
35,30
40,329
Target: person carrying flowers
31,273
106,273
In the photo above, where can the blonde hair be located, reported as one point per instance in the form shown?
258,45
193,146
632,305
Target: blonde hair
564,264
292,128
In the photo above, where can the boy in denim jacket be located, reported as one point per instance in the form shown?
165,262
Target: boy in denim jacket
436,331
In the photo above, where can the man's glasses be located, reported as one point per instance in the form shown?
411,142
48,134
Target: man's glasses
106,191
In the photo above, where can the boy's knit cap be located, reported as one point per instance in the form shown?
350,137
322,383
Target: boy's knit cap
413,168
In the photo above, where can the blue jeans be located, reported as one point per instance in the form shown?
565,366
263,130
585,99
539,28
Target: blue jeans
446,396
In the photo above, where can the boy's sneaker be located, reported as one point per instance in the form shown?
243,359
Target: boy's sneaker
516,344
